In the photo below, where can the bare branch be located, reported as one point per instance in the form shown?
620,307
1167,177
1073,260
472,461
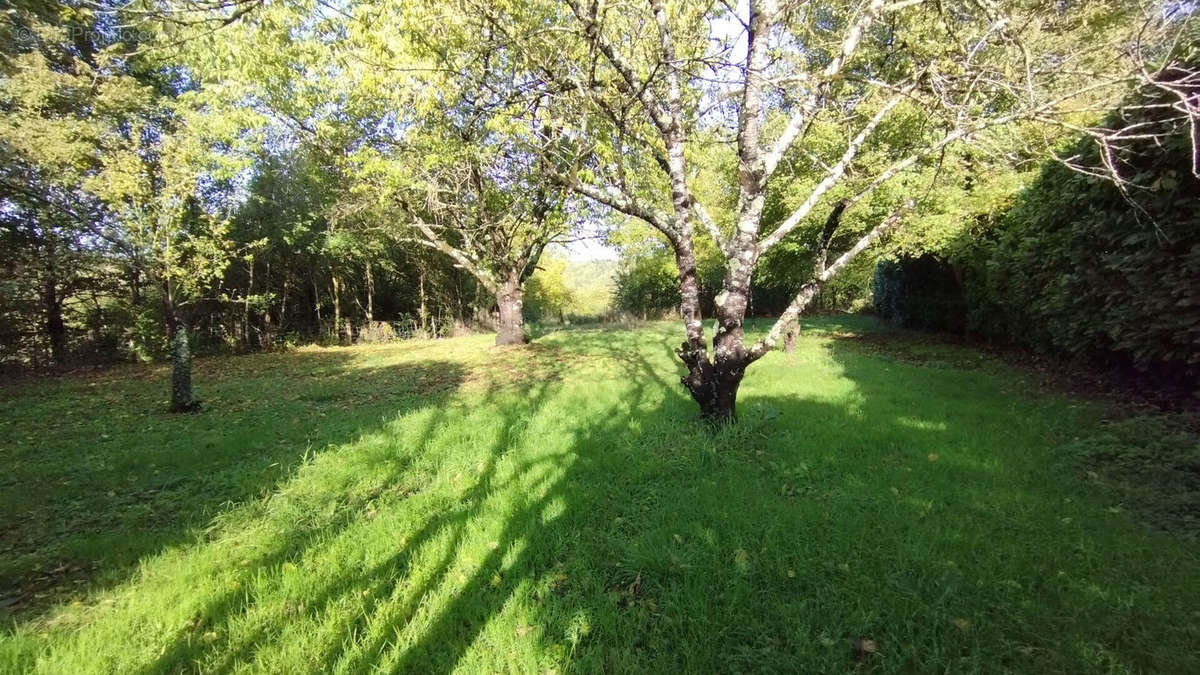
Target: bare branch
711,226
625,203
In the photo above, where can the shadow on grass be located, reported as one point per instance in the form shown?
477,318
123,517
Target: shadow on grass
595,526
92,490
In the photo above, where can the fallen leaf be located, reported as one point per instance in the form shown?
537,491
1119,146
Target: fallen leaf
863,647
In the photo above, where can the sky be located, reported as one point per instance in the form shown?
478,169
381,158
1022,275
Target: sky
589,250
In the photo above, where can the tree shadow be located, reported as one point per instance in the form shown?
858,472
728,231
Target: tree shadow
572,521
522,498
77,524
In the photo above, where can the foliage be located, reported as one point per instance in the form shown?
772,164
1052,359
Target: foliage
1076,268
591,284
546,292
429,507
648,286
1076,263
921,293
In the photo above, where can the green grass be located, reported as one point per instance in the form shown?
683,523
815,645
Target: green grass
437,506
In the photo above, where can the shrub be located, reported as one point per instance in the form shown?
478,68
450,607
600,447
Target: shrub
1078,266
921,293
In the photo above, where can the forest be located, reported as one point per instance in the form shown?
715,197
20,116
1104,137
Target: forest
362,335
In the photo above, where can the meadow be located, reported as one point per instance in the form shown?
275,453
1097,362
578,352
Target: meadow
882,505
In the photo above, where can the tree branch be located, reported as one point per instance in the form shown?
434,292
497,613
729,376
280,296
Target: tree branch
625,69
820,276
808,105
832,176
711,226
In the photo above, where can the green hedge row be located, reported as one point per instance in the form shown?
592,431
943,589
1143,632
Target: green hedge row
1078,266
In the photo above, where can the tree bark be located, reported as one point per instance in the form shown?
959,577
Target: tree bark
246,308
790,336
510,300
337,306
421,310
56,330
182,399
316,295
370,295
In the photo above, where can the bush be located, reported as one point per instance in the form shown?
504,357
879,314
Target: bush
377,331
919,293
647,286
1077,266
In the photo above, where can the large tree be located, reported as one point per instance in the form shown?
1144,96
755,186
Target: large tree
124,152
411,109
475,200
638,89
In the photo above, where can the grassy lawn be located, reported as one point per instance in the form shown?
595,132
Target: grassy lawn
435,506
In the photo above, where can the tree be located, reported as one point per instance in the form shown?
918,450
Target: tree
429,144
468,203
122,136
637,90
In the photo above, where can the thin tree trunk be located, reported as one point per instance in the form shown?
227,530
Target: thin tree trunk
421,311
283,297
246,308
370,295
510,301
337,307
317,303
56,330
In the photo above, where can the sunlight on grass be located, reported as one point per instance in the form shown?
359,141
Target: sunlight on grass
439,506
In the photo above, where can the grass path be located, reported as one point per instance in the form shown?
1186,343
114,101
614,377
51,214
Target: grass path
444,506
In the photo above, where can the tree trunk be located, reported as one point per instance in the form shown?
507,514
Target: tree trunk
337,307
370,295
246,308
510,299
316,295
135,286
789,337
713,383
181,356
56,330
421,311
181,374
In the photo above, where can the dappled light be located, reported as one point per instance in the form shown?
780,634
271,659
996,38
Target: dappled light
556,336
472,521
